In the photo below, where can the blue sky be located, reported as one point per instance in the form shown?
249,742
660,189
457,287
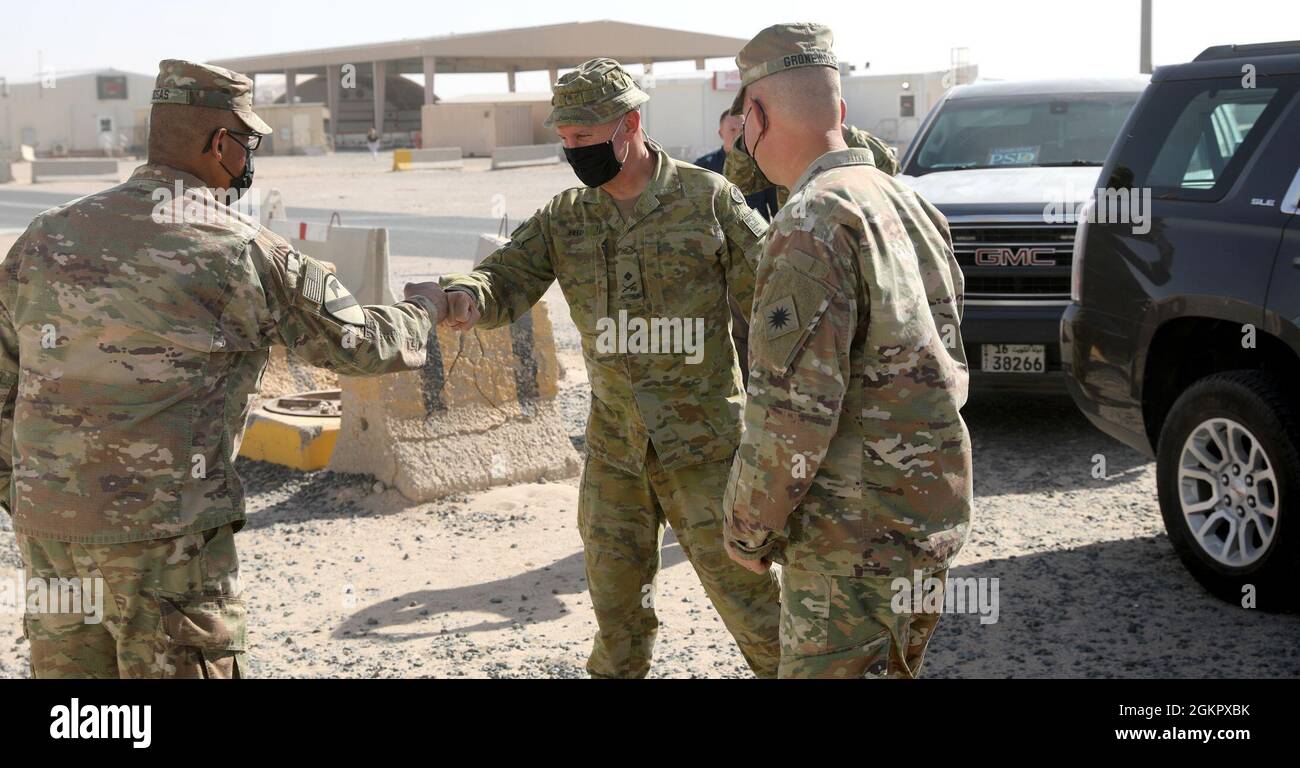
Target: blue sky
1007,38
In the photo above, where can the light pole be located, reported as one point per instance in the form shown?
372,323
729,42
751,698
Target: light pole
1144,62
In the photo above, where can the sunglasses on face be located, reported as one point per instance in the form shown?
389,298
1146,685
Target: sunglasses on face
254,140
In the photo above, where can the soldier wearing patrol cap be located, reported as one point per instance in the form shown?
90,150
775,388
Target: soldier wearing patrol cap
135,324
854,471
741,170
658,245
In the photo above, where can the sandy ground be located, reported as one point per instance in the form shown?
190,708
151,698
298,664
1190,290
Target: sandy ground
348,580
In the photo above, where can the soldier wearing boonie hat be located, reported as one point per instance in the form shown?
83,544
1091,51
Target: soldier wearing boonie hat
779,48
124,466
595,93
677,245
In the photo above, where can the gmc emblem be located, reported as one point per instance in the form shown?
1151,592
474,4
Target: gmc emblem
1024,257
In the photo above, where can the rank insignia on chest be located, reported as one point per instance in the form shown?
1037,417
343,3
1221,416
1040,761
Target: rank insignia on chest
629,275
780,317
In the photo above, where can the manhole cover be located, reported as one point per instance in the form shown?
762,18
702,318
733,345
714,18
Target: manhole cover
324,404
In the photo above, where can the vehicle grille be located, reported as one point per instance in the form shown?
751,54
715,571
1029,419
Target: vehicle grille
1014,262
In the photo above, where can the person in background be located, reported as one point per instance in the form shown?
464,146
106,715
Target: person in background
372,141
763,201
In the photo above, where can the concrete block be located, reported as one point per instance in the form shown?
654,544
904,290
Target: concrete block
41,169
291,433
481,413
529,154
435,157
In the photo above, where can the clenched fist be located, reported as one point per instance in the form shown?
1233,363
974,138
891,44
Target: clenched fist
462,310
431,291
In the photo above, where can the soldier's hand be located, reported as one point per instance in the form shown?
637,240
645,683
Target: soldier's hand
757,566
462,310
431,291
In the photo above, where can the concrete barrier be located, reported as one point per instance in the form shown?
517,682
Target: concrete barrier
79,167
359,255
271,206
481,413
435,158
6,171
529,154
487,245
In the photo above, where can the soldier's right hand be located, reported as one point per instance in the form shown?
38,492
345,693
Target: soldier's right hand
431,291
462,311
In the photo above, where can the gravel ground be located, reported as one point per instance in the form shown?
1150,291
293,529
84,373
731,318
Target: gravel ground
348,579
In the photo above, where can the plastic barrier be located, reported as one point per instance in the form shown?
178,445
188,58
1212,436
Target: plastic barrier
63,168
481,413
417,159
359,254
529,154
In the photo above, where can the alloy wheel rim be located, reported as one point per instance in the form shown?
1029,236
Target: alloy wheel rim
1228,493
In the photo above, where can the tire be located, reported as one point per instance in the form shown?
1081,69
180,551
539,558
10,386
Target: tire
1238,425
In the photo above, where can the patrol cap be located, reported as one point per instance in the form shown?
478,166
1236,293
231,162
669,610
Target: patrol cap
781,47
203,85
598,91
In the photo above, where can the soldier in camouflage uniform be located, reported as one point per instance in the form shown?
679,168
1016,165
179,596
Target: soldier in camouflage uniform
855,465
654,240
135,325
741,170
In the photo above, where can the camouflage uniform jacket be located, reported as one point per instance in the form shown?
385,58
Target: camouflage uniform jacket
855,460
132,344
741,170
690,243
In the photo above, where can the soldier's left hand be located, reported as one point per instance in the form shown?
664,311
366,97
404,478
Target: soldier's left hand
757,566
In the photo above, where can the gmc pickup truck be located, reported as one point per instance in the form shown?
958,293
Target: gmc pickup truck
1009,164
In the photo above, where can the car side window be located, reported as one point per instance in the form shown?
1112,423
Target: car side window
1202,134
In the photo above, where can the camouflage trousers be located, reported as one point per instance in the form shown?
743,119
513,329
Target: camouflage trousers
170,609
846,627
621,518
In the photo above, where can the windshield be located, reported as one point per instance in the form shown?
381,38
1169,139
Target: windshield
1022,132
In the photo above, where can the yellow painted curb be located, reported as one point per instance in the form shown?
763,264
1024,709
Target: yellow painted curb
401,159
300,442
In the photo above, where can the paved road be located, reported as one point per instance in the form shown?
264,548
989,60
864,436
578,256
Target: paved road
408,234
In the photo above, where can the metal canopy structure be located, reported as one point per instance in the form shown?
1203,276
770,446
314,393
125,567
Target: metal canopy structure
551,48
525,49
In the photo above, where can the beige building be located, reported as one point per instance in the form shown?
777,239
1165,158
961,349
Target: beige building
479,123
296,129
82,114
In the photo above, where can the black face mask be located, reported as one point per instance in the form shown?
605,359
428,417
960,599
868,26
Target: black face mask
744,150
239,184
596,164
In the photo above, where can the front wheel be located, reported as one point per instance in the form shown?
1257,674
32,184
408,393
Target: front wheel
1228,475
